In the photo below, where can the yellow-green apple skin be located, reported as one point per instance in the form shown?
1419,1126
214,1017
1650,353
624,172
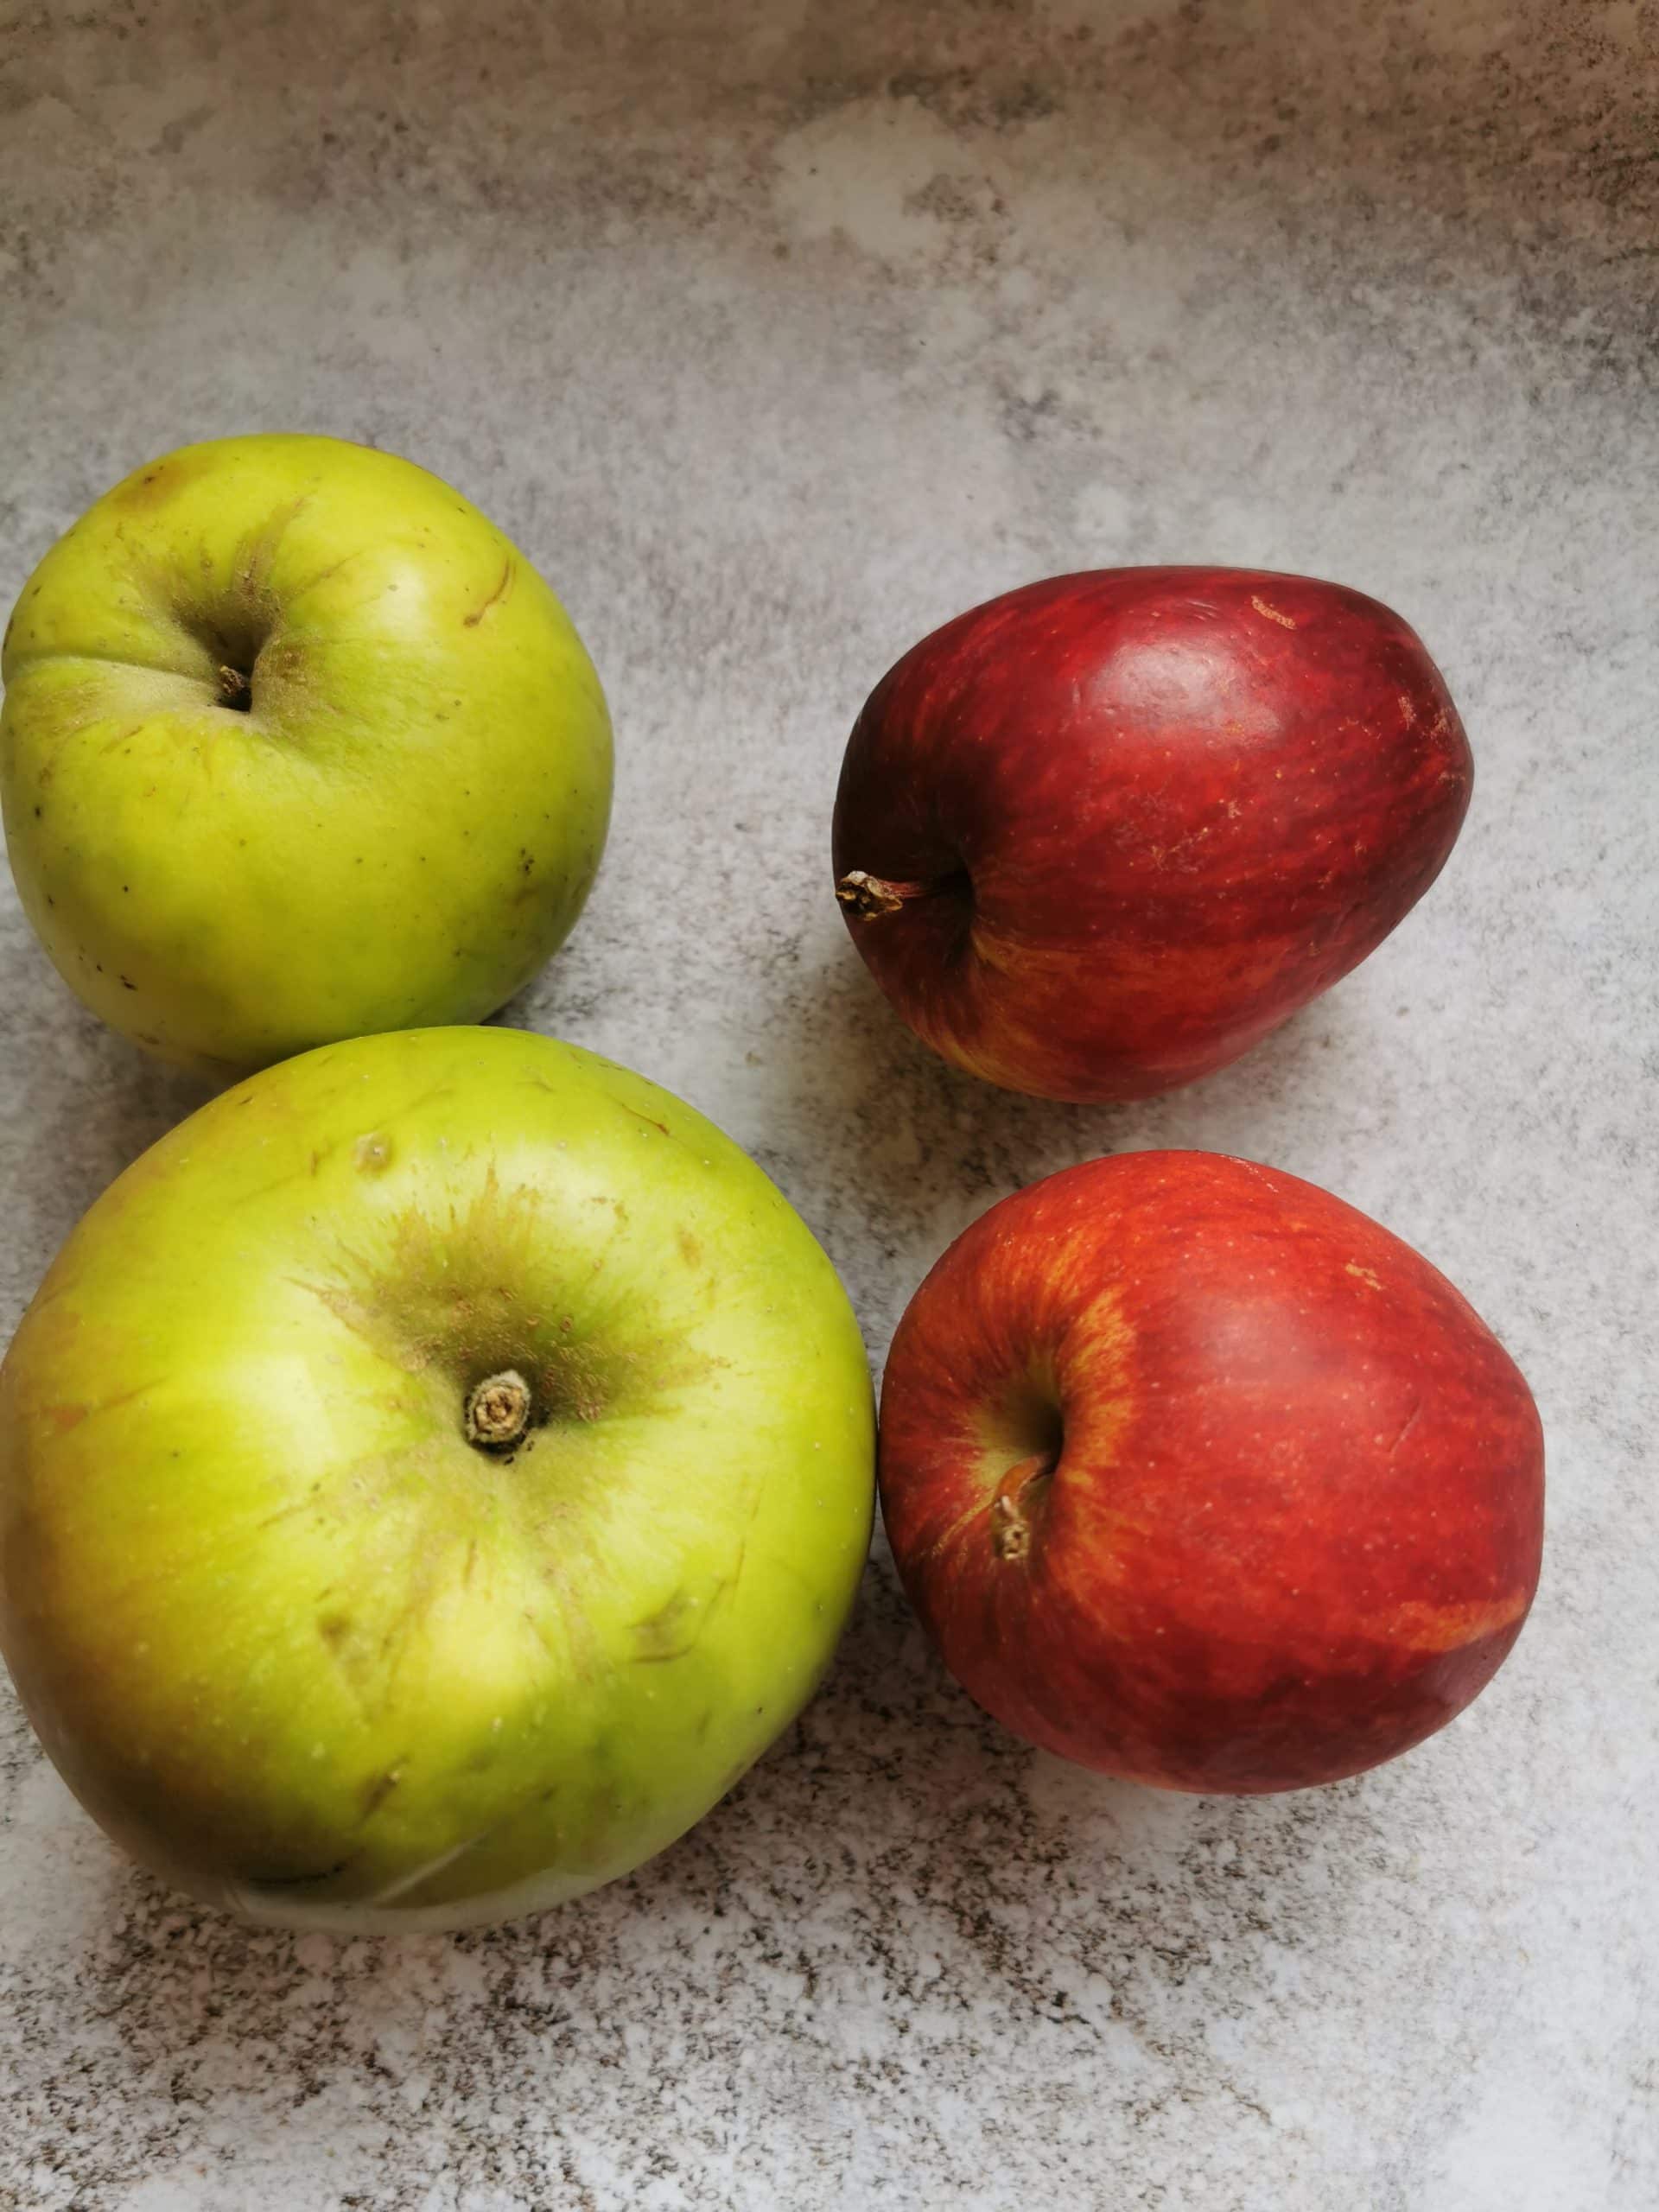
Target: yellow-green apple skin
295,1642
296,746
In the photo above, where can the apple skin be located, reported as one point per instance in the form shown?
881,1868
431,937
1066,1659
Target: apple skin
296,1643
1295,1520
400,828
1136,817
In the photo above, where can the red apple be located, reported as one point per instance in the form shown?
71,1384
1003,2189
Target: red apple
1097,837
1198,1477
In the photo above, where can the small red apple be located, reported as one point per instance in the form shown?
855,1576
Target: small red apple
1097,837
1198,1477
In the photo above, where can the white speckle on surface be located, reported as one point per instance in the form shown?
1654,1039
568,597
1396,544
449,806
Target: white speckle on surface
776,337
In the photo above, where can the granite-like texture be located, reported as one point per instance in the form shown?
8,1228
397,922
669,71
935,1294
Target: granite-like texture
776,335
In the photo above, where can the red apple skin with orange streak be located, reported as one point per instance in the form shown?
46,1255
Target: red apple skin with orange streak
1296,1519
1138,816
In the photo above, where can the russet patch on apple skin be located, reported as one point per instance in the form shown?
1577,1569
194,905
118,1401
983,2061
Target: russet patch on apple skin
296,746
428,1477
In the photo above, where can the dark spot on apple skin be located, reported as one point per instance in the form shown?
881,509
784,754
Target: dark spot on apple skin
127,985
295,1881
471,621
158,484
379,1790
691,1250
334,1629
650,1121
667,1633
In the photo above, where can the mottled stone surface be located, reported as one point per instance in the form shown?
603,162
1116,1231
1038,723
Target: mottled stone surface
776,335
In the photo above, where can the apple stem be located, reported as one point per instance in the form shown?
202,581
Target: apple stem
497,1410
235,691
871,896
1010,1522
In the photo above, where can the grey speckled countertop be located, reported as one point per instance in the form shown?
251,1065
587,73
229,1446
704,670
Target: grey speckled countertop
776,335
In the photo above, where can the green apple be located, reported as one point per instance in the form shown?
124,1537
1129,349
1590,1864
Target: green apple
296,746
428,1477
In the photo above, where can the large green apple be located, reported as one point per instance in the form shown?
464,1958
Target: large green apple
428,1477
296,746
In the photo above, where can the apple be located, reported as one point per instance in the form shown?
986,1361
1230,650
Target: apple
1097,837
1198,1477
428,1477
296,746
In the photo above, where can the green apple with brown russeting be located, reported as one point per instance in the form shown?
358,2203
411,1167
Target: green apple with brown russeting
428,1477
296,746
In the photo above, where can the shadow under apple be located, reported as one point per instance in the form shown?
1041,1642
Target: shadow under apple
896,1849
890,1153
78,1104
894,1820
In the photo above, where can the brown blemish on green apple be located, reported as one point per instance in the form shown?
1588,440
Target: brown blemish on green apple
669,1631
154,487
677,1626
379,1790
471,621
647,1119
256,1882
441,1301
